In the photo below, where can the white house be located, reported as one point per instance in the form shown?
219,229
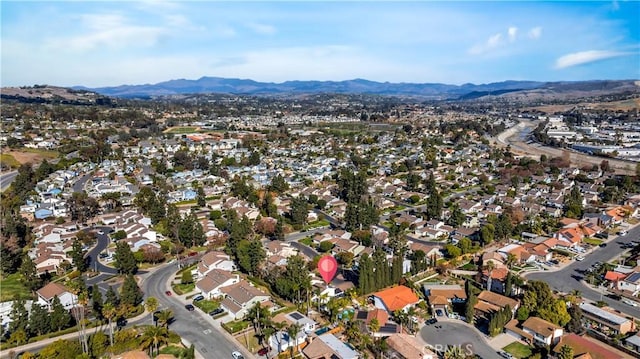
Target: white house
215,260
542,331
240,297
631,283
214,280
306,324
51,290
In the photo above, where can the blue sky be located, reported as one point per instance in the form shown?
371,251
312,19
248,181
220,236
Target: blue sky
112,43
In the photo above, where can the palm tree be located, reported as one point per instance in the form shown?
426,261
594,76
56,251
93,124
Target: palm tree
151,304
277,328
454,352
164,317
109,312
153,337
374,325
489,267
511,260
293,330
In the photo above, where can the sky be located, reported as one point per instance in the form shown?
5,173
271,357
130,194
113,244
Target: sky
94,44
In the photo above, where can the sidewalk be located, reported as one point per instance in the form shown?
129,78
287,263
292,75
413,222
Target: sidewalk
40,343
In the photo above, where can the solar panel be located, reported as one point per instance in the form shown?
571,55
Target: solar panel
296,315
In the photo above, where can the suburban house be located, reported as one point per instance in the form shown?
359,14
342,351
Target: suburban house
490,302
441,296
214,280
328,346
240,297
385,327
495,280
605,321
396,298
535,331
405,346
630,283
585,348
306,325
52,290
214,260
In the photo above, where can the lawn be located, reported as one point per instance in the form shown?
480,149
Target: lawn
518,350
249,341
317,224
235,326
181,289
592,241
207,305
12,288
307,241
182,130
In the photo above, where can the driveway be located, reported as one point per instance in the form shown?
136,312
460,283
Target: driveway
450,333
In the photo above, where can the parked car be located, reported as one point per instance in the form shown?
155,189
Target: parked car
579,258
237,355
630,302
216,312
263,351
100,232
602,245
198,298
168,293
622,233
190,307
505,355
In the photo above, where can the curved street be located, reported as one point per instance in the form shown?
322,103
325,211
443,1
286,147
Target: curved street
448,333
568,278
196,327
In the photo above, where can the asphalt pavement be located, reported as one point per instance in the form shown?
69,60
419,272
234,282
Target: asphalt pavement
6,179
447,333
196,326
568,278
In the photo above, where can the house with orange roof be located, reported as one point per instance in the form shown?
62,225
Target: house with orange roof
582,346
569,237
617,214
396,298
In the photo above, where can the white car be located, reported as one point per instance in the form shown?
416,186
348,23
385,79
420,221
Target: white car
237,355
630,302
579,258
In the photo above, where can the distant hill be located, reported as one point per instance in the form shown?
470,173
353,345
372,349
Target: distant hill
359,86
53,95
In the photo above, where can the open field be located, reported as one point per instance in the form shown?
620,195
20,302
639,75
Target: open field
31,155
623,105
7,160
12,288
182,130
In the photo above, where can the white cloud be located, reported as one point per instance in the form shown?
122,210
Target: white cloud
512,32
585,57
492,42
535,33
262,29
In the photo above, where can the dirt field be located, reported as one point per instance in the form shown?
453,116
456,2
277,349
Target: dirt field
624,105
33,157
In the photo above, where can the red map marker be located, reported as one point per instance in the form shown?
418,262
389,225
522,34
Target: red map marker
327,266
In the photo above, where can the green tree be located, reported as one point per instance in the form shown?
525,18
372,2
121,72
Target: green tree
366,278
452,251
18,337
112,297
187,277
472,300
294,281
96,301
202,199
456,218
164,317
487,233
566,352
125,261
151,304
29,274
61,349
278,184
98,343
60,317
153,337
39,321
557,313
110,312
131,293
251,254
19,316
78,256
325,246
418,261
298,212
573,203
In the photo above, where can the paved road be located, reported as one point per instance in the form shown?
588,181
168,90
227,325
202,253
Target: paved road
449,333
196,326
569,279
106,272
78,186
6,179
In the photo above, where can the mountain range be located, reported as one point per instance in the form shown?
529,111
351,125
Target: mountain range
359,86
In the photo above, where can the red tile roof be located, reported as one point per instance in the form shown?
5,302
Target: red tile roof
397,297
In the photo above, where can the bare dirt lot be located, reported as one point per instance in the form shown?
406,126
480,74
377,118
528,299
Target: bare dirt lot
33,157
624,105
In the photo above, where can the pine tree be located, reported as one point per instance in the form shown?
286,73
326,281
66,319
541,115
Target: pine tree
19,316
365,279
131,293
60,317
77,256
124,259
39,321
112,297
29,273
96,301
